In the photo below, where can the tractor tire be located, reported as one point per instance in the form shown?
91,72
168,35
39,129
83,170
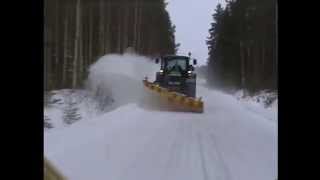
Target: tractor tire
190,90
159,78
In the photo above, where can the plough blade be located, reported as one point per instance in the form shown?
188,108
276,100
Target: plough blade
174,99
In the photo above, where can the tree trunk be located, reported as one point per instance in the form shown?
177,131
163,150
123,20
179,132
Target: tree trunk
108,22
76,46
243,78
90,35
101,30
125,28
263,58
57,34
248,65
65,53
120,13
50,54
81,60
46,46
135,26
139,29
56,43
276,32
150,44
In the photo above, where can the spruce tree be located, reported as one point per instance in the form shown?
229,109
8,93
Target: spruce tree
78,32
242,45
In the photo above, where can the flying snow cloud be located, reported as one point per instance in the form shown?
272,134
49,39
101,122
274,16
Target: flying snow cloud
120,76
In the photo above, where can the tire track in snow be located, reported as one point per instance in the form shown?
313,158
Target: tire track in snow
179,166
216,155
203,162
173,154
220,157
212,164
160,154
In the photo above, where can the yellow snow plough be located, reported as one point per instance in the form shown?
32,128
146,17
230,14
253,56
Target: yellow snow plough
176,83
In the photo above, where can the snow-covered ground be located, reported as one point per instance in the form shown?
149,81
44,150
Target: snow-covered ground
263,103
231,140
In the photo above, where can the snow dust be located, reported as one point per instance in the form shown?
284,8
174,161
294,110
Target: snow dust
120,76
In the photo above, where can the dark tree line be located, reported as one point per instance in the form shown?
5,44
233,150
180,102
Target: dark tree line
78,32
242,45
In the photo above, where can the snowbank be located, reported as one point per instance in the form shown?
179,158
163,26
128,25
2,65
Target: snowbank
264,103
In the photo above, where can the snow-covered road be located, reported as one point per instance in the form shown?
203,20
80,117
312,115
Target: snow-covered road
227,142
231,140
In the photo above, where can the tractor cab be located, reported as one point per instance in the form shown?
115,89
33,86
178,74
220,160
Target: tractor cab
176,65
177,74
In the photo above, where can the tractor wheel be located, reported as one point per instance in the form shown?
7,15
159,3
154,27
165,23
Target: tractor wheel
190,90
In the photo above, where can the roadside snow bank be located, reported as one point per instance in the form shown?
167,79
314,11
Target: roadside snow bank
67,106
263,102
265,98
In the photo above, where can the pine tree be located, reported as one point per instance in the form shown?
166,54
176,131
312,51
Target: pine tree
242,45
213,49
78,32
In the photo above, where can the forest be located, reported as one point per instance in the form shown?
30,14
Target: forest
242,46
78,32
242,41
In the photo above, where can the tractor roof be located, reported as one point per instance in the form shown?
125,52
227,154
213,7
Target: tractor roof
175,56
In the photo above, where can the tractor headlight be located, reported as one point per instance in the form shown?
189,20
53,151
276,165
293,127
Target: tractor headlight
189,73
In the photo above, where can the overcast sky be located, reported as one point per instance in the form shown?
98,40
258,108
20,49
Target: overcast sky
192,19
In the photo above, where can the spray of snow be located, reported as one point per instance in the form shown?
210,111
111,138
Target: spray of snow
120,76
114,80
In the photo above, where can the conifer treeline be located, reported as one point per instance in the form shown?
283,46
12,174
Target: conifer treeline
243,45
78,32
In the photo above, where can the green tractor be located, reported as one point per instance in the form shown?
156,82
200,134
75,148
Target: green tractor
177,74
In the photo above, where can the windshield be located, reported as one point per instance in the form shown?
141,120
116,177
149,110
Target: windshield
176,64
